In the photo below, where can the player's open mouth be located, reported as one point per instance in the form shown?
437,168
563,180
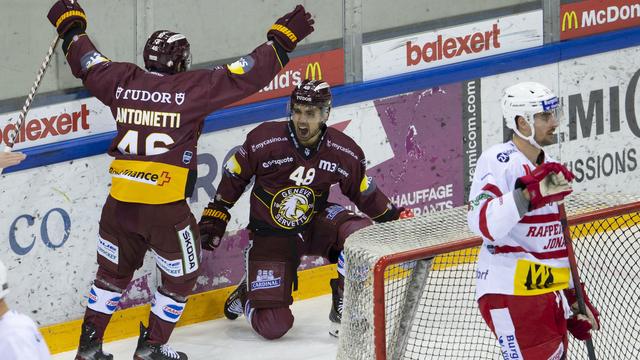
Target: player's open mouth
303,132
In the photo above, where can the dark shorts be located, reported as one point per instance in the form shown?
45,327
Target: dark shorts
170,231
273,260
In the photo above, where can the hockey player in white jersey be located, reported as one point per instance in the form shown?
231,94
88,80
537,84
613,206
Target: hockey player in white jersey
523,282
20,339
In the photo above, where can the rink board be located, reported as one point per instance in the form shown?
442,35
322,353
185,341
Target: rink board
200,307
416,130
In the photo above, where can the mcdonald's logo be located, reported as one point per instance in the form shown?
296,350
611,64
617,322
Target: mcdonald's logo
313,69
569,20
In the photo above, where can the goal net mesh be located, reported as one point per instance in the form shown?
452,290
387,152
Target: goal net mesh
420,274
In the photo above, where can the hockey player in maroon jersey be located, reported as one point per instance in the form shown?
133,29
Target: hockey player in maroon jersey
159,115
294,164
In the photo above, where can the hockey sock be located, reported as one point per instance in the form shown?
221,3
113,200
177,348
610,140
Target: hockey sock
101,305
165,313
341,263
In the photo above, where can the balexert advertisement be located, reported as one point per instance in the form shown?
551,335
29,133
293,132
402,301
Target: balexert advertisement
451,45
58,122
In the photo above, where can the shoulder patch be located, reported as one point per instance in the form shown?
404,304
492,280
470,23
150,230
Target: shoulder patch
503,157
242,65
232,166
92,58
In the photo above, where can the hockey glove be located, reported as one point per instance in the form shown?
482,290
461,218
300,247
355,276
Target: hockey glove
580,325
213,224
548,183
65,15
405,213
290,29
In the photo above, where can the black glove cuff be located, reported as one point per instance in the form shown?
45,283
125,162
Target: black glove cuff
280,51
67,38
389,215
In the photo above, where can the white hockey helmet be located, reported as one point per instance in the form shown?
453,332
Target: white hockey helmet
527,99
4,286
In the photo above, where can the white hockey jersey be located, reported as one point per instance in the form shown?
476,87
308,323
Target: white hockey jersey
519,256
20,339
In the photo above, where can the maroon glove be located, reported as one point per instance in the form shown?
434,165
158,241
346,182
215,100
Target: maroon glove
213,223
290,29
580,325
65,14
548,183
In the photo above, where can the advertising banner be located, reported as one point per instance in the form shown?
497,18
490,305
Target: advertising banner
451,45
88,116
326,65
596,16
58,122
600,126
414,148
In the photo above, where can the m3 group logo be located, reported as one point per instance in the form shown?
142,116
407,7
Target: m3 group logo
596,16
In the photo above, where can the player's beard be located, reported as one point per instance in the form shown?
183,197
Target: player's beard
549,138
308,138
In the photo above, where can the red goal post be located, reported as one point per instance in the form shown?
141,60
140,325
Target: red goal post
409,290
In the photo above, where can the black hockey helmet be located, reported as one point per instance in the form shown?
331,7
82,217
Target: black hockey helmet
167,52
312,92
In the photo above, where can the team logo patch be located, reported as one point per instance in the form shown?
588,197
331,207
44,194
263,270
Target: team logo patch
293,206
179,98
333,210
186,157
112,303
172,311
107,250
550,104
532,278
170,267
93,297
233,166
265,280
503,157
92,58
242,66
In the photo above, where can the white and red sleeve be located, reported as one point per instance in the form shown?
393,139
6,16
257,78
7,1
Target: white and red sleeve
492,210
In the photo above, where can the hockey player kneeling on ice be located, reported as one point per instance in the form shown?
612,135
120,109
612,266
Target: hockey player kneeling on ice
159,115
19,336
295,163
523,282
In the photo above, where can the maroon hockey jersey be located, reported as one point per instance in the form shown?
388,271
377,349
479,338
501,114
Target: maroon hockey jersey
160,117
292,182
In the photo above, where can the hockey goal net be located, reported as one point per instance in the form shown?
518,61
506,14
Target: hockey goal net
409,290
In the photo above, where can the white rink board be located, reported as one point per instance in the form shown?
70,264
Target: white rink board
50,279
59,122
51,256
602,83
451,45
61,264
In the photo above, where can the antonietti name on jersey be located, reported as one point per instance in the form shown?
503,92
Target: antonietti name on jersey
148,96
454,46
148,118
49,126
